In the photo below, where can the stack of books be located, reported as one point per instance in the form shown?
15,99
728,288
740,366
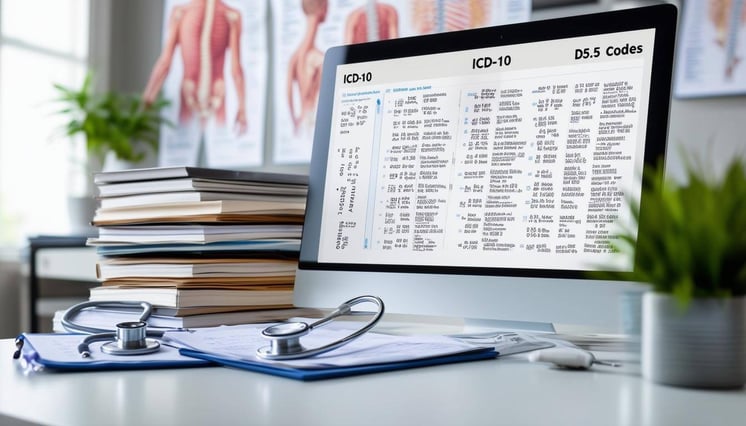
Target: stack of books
198,243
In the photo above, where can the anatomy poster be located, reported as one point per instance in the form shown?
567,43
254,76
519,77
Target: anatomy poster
712,49
213,70
304,29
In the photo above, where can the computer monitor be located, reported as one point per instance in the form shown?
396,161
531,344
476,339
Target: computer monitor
479,174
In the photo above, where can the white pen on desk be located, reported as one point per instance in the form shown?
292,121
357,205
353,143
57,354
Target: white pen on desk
569,358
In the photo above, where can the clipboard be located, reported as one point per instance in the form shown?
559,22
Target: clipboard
235,346
58,352
333,372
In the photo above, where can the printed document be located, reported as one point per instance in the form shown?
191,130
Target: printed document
241,342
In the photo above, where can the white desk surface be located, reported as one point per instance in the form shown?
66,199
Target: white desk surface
509,390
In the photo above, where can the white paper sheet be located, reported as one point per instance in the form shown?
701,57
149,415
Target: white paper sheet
242,341
63,349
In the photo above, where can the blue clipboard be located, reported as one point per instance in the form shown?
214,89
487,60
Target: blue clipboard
328,373
58,352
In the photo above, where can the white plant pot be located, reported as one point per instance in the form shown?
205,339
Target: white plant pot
701,346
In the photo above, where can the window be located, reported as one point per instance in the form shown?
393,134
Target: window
41,42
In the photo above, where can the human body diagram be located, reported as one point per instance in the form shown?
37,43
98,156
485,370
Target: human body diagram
206,31
729,18
373,21
304,68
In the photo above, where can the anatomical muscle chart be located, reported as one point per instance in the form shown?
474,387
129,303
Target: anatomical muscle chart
212,68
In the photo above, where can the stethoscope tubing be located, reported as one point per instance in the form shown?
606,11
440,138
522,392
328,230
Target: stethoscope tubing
72,327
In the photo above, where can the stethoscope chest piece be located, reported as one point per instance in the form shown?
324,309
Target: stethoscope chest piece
131,340
284,339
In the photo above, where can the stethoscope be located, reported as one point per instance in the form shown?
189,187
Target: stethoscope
133,337
129,338
285,337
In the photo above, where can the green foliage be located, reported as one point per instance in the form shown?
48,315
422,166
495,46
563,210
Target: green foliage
692,236
111,121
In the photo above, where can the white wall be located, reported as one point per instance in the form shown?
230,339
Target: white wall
134,34
713,129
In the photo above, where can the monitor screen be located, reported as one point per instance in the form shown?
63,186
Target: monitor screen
501,152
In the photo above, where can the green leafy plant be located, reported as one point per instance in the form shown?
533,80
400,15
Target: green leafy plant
692,236
111,121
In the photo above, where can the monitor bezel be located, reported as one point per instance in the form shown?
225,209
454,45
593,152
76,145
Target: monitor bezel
662,18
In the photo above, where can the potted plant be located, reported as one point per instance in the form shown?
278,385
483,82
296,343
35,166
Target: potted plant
112,122
691,249
117,128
